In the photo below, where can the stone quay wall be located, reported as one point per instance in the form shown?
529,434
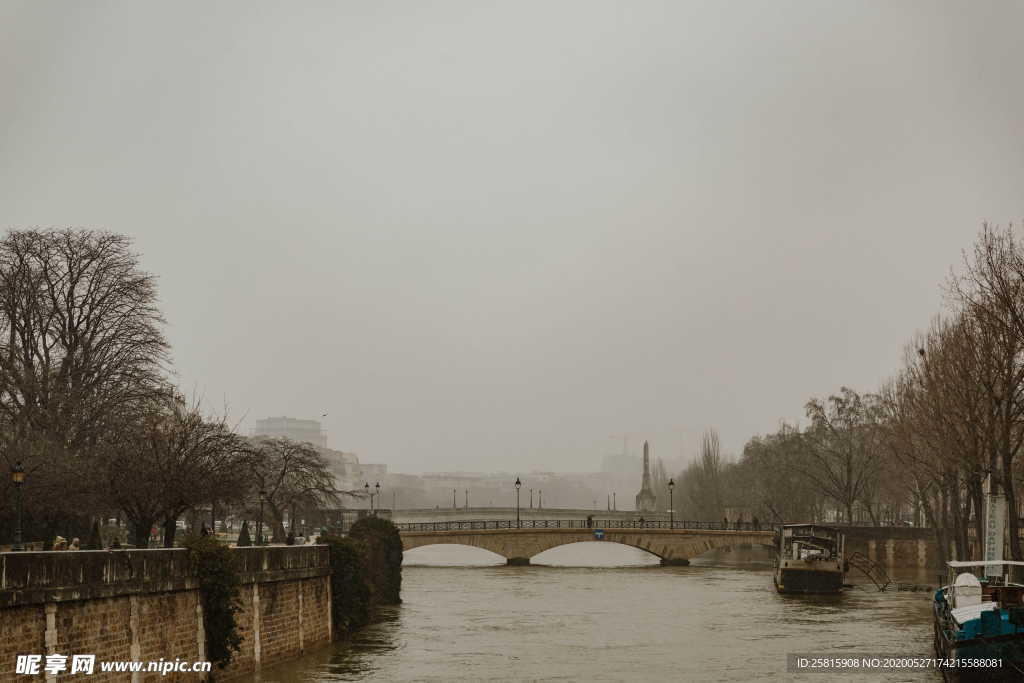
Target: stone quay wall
894,547
144,605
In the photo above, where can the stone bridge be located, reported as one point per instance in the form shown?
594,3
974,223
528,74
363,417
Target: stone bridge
673,544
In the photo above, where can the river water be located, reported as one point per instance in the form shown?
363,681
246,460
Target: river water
621,617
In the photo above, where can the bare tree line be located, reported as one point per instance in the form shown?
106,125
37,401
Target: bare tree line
88,406
922,446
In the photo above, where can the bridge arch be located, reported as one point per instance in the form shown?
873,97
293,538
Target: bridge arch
477,557
595,554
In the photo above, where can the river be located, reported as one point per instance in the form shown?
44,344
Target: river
619,618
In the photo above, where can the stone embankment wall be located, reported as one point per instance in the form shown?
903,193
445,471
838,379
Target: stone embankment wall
144,605
894,547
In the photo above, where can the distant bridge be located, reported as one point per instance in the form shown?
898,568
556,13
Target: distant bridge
464,514
674,543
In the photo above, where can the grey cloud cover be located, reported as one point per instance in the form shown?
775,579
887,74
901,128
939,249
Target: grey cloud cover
489,235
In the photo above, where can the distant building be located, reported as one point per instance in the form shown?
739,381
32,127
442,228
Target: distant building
307,431
373,471
646,501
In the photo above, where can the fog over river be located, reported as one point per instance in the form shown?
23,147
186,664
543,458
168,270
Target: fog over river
598,611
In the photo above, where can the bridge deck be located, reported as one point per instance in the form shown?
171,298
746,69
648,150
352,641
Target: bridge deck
483,525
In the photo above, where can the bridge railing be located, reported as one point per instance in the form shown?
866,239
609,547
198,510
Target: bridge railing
473,525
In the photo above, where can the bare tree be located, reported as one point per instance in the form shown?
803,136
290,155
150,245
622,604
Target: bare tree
702,481
843,458
80,339
769,478
166,458
291,474
991,293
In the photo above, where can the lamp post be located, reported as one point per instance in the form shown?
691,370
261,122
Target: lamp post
671,507
531,499
18,477
259,527
378,495
519,485
454,506
369,500
540,503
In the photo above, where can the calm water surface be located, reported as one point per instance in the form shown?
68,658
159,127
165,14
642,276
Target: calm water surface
718,621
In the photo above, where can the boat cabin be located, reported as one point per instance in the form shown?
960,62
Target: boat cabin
967,589
810,542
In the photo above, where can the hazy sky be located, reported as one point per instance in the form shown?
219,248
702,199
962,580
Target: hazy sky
489,235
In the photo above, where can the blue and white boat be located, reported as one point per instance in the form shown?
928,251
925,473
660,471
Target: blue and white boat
979,623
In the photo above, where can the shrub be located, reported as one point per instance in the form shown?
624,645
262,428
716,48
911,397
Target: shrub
243,536
350,590
383,551
95,541
214,565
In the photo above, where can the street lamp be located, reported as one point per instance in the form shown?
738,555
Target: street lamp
369,500
378,495
18,477
263,495
519,485
671,507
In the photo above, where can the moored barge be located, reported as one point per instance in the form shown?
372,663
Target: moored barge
809,559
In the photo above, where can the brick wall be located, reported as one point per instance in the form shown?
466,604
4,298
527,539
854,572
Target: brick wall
102,627
144,606
20,633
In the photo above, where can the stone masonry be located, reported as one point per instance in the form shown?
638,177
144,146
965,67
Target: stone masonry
144,605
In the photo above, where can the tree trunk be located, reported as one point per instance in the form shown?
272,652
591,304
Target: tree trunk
940,536
1011,509
170,529
978,496
140,532
956,512
943,520
276,523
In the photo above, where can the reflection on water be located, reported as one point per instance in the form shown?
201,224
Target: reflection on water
717,620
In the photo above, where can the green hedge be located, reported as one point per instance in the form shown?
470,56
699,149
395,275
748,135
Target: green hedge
350,590
366,571
214,564
383,551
